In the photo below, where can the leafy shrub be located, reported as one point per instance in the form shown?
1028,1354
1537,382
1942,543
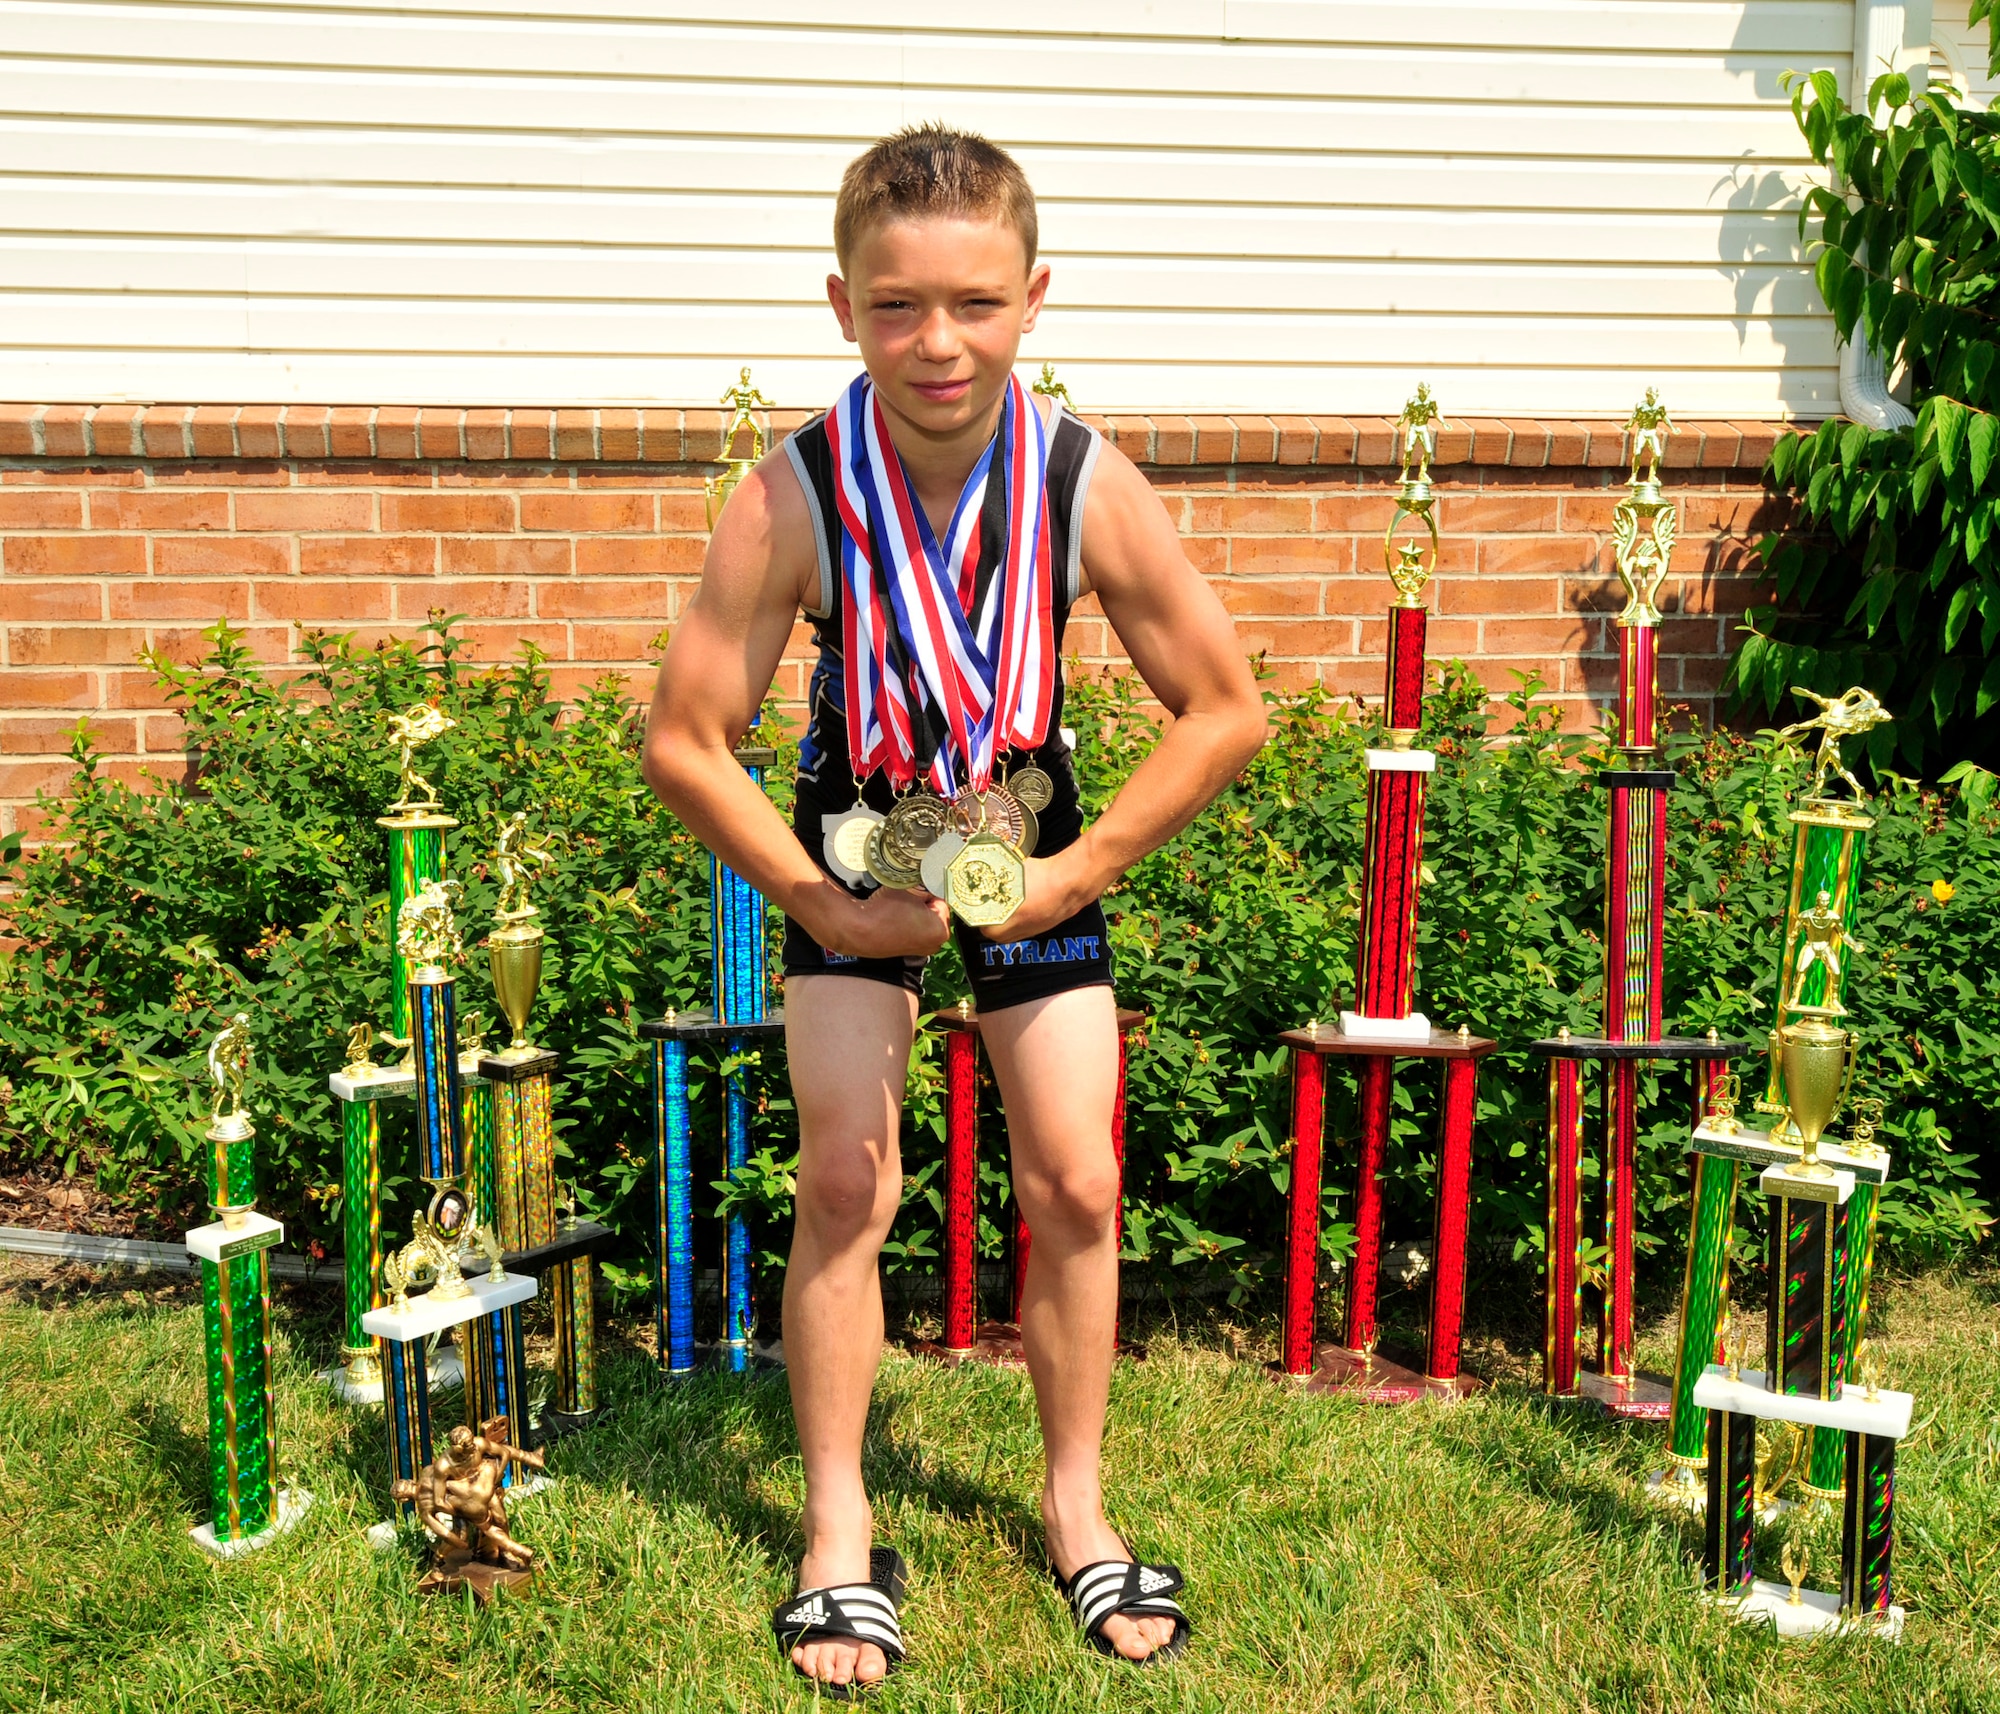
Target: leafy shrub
262,887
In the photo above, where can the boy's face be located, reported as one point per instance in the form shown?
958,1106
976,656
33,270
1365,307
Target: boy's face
938,308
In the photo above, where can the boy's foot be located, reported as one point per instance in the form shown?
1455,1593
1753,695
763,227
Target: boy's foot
829,1564
1086,1541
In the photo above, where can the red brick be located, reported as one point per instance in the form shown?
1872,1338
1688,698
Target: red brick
260,431
19,689
1209,555
459,513
1297,439
213,431
82,600
65,431
1690,636
486,434
1454,444
1374,442
161,734
30,509
1551,554
440,433
1491,514
1532,636
20,430
220,473
1256,441
578,598
1683,447
618,435
49,735
1214,440
1704,675
74,556
593,512
188,645
1275,597
1295,636
576,435
533,434
660,439
308,431
73,645
1755,442
1132,436
367,556
502,641
220,556
507,556
1173,440
115,431
485,598
396,432
375,474
1720,443
305,509
684,513
1340,440
156,598
351,433
163,432
324,603
1288,556
1261,513
1500,595
27,779
633,642
1722,594
154,509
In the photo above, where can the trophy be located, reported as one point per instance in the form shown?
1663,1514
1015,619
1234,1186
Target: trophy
1643,530
718,488
248,1510
1383,1027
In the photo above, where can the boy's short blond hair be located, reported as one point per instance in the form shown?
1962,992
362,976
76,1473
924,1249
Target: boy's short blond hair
932,170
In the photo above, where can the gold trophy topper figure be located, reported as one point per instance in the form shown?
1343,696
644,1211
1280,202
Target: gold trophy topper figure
426,929
409,731
462,1505
360,1038
517,857
1795,1564
1050,388
1824,937
1649,426
1644,525
745,398
229,1066
1844,716
1416,445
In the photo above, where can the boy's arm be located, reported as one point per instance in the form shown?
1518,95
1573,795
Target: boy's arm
1186,650
718,665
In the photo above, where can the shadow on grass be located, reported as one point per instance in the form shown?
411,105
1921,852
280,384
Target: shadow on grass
178,1457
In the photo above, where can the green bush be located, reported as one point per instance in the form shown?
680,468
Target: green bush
262,887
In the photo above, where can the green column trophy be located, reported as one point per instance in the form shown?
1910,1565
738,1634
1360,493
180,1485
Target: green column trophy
415,825
248,1509
1829,843
522,1076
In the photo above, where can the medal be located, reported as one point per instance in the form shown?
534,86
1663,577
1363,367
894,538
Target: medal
879,864
1031,832
986,882
846,833
1033,787
937,861
912,827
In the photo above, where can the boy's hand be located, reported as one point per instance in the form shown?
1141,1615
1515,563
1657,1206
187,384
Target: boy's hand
889,923
1057,889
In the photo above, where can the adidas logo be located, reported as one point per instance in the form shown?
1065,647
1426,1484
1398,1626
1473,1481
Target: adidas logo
812,1612
1152,1582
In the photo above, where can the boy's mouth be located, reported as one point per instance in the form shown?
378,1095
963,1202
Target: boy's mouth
941,392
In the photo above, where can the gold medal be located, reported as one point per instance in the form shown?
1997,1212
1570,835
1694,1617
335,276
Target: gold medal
1033,787
879,864
986,882
1031,831
914,822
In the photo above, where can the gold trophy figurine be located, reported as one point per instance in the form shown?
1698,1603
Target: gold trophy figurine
514,949
409,731
229,1067
427,930
1410,567
1825,936
1845,716
1644,526
718,488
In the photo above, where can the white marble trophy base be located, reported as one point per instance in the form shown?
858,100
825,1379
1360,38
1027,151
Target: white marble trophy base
1415,1028
1401,761
348,1390
429,1314
1887,1415
293,1504
1817,1614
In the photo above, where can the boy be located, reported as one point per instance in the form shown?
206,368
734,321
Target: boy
935,527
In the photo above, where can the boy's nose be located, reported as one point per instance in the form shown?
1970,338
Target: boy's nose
937,338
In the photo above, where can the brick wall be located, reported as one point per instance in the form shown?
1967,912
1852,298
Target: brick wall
124,528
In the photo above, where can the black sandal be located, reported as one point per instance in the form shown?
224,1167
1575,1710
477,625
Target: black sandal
848,1612
1107,1588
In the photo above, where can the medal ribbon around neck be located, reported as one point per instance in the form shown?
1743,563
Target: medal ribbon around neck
908,639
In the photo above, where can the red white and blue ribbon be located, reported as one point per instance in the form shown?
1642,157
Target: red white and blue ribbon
918,632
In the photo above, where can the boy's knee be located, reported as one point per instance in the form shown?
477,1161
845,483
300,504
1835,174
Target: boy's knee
1081,1197
850,1198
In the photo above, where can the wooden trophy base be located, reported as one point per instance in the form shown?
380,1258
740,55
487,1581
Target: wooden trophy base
460,1571
1636,1398
1370,1376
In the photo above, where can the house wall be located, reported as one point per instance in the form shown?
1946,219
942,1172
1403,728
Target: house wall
1250,205
125,529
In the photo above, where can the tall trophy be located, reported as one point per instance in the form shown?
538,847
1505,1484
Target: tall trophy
247,1509
1382,1027
522,1075
746,399
1643,530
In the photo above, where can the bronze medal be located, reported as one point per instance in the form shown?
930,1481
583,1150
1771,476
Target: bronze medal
1033,787
986,882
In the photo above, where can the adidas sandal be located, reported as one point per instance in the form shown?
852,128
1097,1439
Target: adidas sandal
848,1612
1109,1587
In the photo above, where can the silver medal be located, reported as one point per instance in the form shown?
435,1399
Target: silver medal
846,835
937,860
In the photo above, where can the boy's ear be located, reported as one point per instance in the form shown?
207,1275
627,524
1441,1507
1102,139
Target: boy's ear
1038,289
843,305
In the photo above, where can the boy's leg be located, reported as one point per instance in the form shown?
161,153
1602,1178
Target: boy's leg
1057,1063
848,1042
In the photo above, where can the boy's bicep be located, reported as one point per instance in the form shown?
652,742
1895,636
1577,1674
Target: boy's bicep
1170,622
729,639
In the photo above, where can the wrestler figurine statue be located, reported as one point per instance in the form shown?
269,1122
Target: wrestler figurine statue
463,1507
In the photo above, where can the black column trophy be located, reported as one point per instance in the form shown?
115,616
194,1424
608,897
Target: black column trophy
536,1239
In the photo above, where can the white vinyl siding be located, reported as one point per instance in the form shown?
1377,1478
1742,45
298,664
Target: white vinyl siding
1281,206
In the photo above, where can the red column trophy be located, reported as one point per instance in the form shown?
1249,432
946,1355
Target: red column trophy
965,1338
1383,1028
1635,884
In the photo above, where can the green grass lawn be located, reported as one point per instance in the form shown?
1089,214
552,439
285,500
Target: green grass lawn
1496,1556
